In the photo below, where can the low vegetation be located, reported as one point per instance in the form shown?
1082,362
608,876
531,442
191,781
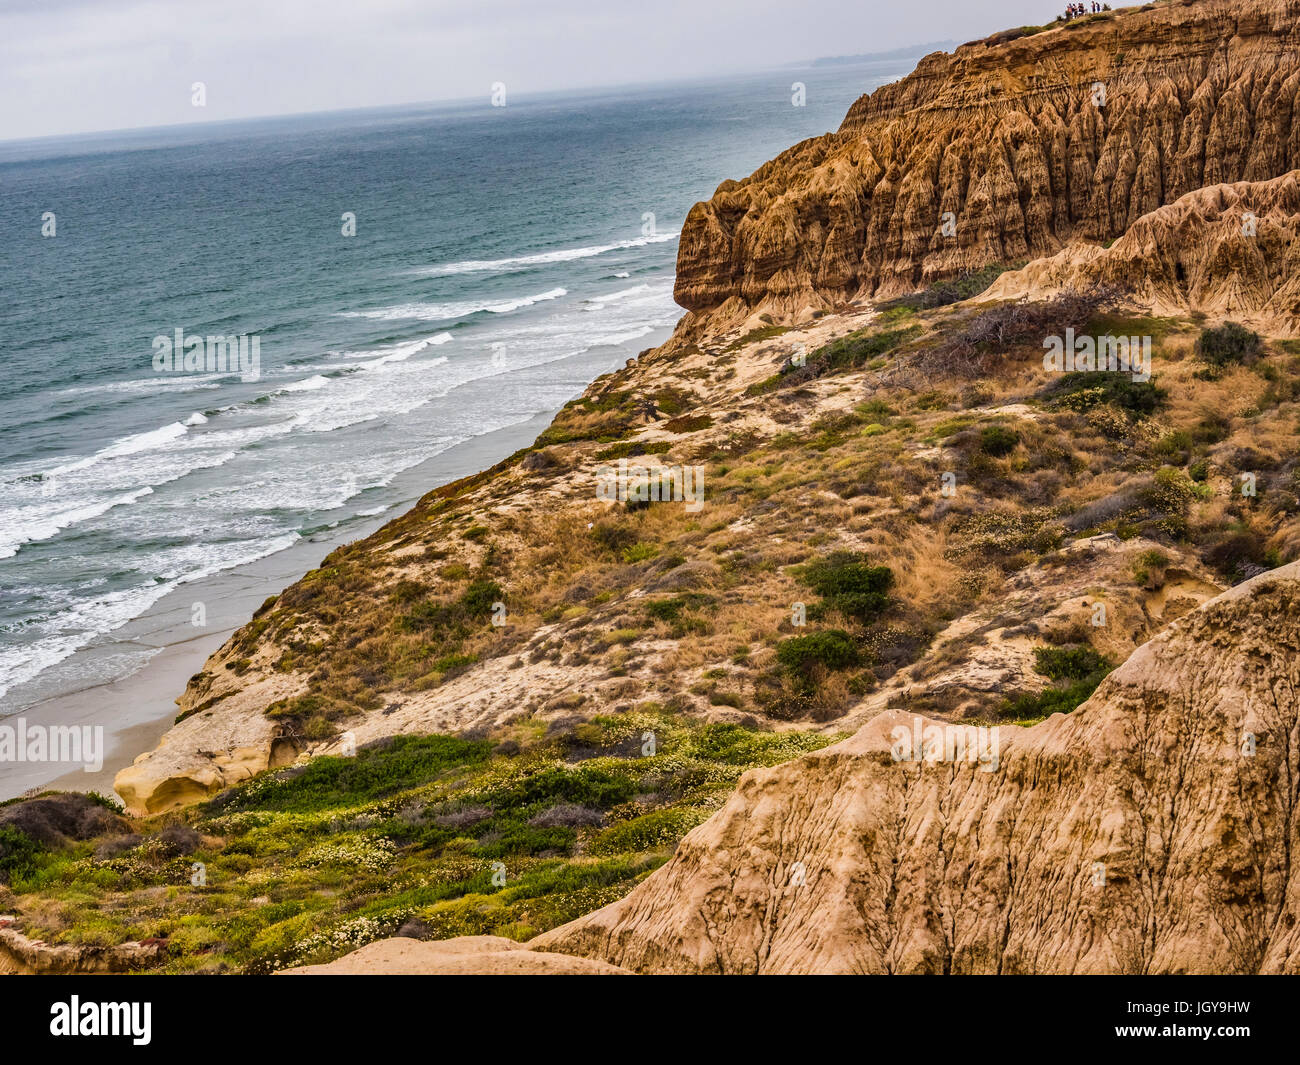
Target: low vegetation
827,559
1230,344
431,836
1076,671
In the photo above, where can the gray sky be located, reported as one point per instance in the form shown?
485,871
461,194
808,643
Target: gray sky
69,66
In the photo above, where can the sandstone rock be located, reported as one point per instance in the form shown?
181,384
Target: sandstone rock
1150,831
463,956
1229,251
1067,135
23,956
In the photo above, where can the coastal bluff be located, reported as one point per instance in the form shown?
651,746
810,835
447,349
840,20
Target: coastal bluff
1004,151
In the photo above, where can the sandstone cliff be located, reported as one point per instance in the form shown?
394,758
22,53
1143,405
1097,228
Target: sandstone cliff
1151,831
1023,145
1225,250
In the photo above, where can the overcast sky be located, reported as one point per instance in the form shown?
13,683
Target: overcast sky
70,66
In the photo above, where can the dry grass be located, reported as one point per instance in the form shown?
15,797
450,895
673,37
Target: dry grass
851,462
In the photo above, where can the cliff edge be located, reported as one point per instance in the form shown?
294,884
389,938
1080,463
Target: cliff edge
1003,152
1150,831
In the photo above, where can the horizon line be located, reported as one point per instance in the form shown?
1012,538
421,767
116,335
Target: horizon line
903,52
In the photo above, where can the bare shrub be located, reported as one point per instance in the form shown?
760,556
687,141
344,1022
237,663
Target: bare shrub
983,340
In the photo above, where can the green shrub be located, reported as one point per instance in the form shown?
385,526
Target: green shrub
1076,670
1083,391
632,449
480,596
831,650
670,610
1068,663
1146,562
689,423
18,853
586,786
847,582
846,353
1172,491
944,293
390,766
1174,445
856,349
660,828
639,552
452,618
447,663
1050,701
998,440
1230,344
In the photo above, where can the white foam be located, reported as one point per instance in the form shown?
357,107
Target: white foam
595,303
72,629
523,262
158,383
402,352
128,445
29,525
249,505
623,338
447,312
310,384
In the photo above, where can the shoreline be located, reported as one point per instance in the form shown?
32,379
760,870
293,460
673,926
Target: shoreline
143,702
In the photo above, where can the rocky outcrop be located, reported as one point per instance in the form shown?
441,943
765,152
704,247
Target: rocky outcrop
1229,251
201,755
22,956
463,956
1021,146
1150,831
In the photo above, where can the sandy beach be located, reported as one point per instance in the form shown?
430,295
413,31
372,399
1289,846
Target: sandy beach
138,708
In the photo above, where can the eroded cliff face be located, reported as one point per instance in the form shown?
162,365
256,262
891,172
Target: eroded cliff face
1151,831
1021,146
1225,250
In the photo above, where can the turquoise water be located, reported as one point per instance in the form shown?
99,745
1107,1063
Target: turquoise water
506,243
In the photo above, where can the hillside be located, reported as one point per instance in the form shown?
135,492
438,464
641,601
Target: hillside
1021,142
533,707
1147,832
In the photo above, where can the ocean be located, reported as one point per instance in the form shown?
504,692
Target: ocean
503,257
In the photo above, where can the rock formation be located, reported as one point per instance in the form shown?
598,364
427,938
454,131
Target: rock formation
21,955
1226,250
1020,145
463,956
1151,831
